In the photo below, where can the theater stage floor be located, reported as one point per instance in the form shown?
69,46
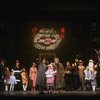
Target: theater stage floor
56,94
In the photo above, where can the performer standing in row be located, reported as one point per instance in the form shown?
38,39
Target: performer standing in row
50,78
24,75
33,76
75,77
17,70
93,79
7,79
59,76
67,76
81,69
41,77
87,74
12,82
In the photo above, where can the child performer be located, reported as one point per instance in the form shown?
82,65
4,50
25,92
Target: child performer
7,78
87,74
93,79
50,78
24,79
12,81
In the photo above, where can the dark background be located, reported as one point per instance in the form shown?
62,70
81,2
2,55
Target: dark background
80,18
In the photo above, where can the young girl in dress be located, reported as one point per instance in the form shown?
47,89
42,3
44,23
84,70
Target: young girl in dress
93,79
50,78
24,79
7,79
12,81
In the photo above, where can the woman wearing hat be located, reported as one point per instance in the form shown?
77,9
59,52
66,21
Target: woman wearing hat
60,83
33,76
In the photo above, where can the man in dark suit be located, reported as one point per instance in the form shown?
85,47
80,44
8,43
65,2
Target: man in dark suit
41,75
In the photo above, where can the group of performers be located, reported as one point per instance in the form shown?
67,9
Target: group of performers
52,76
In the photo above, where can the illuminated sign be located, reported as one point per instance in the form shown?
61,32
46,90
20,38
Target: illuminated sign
47,38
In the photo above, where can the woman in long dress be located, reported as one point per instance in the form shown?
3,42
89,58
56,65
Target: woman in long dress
67,76
59,76
33,76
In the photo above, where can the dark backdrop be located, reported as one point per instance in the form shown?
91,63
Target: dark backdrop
18,18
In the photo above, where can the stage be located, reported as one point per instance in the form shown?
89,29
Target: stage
36,94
